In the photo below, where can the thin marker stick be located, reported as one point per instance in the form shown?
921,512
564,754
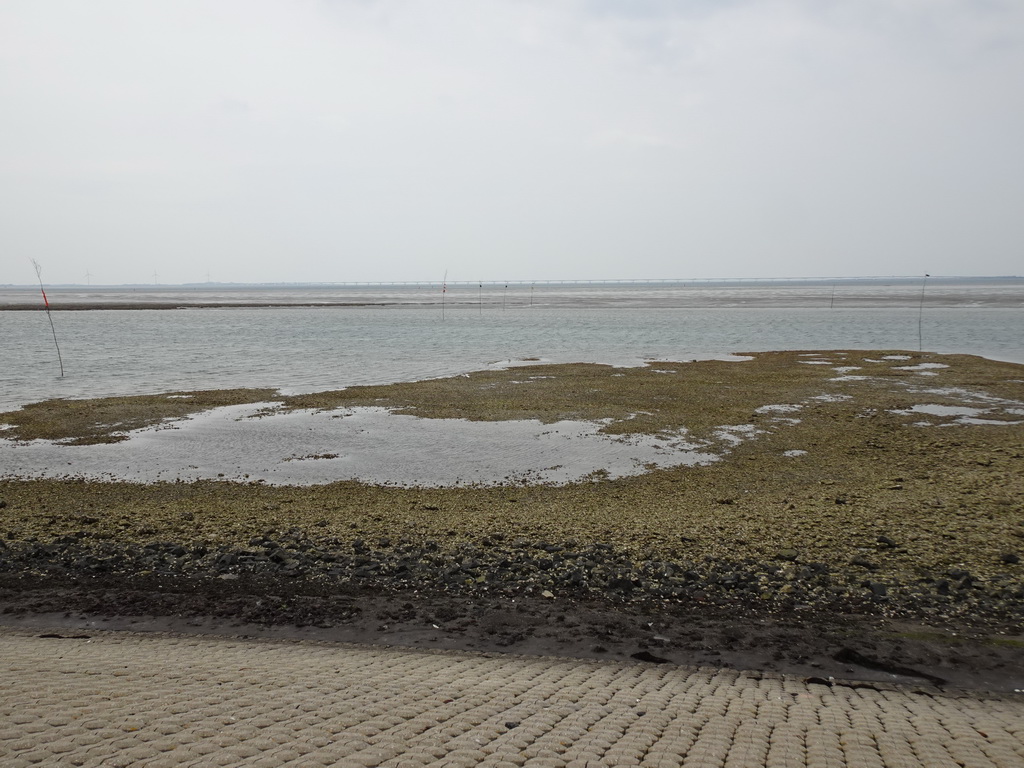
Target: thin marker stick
46,303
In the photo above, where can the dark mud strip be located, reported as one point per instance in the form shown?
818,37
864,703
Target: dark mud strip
523,597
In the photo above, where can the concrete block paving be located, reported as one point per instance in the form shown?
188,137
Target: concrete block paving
166,701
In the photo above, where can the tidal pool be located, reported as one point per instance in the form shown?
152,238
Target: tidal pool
372,445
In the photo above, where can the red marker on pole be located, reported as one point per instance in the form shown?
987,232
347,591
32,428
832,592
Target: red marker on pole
46,303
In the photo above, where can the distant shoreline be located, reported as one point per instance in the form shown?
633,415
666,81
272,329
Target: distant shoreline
467,302
137,305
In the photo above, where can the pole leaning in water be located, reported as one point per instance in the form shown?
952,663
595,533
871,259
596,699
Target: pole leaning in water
920,315
46,303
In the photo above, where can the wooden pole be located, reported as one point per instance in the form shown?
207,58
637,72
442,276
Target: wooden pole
46,303
920,315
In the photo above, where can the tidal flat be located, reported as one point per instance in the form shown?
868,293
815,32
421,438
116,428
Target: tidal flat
846,484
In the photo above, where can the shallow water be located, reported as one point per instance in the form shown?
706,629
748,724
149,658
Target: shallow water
301,349
264,443
408,337
367,444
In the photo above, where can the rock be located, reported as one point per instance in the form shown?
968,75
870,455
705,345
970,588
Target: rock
885,541
226,560
863,562
1010,558
649,657
788,554
547,593
620,584
279,555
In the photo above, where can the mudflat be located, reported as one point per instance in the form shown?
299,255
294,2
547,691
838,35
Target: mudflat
864,519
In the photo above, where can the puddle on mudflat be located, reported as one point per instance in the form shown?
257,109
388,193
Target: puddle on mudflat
961,414
832,398
943,410
779,408
371,445
737,433
992,422
920,367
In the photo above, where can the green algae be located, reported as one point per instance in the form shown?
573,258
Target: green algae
874,486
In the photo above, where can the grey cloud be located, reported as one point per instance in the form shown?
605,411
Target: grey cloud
269,140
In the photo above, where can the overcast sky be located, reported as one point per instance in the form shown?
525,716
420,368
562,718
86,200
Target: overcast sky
354,140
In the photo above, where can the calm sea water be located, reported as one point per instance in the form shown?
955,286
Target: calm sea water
404,337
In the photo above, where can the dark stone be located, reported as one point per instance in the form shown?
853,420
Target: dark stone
278,555
863,562
1010,558
878,590
226,560
649,657
619,584
885,541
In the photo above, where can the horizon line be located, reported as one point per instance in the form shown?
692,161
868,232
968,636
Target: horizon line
578,281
